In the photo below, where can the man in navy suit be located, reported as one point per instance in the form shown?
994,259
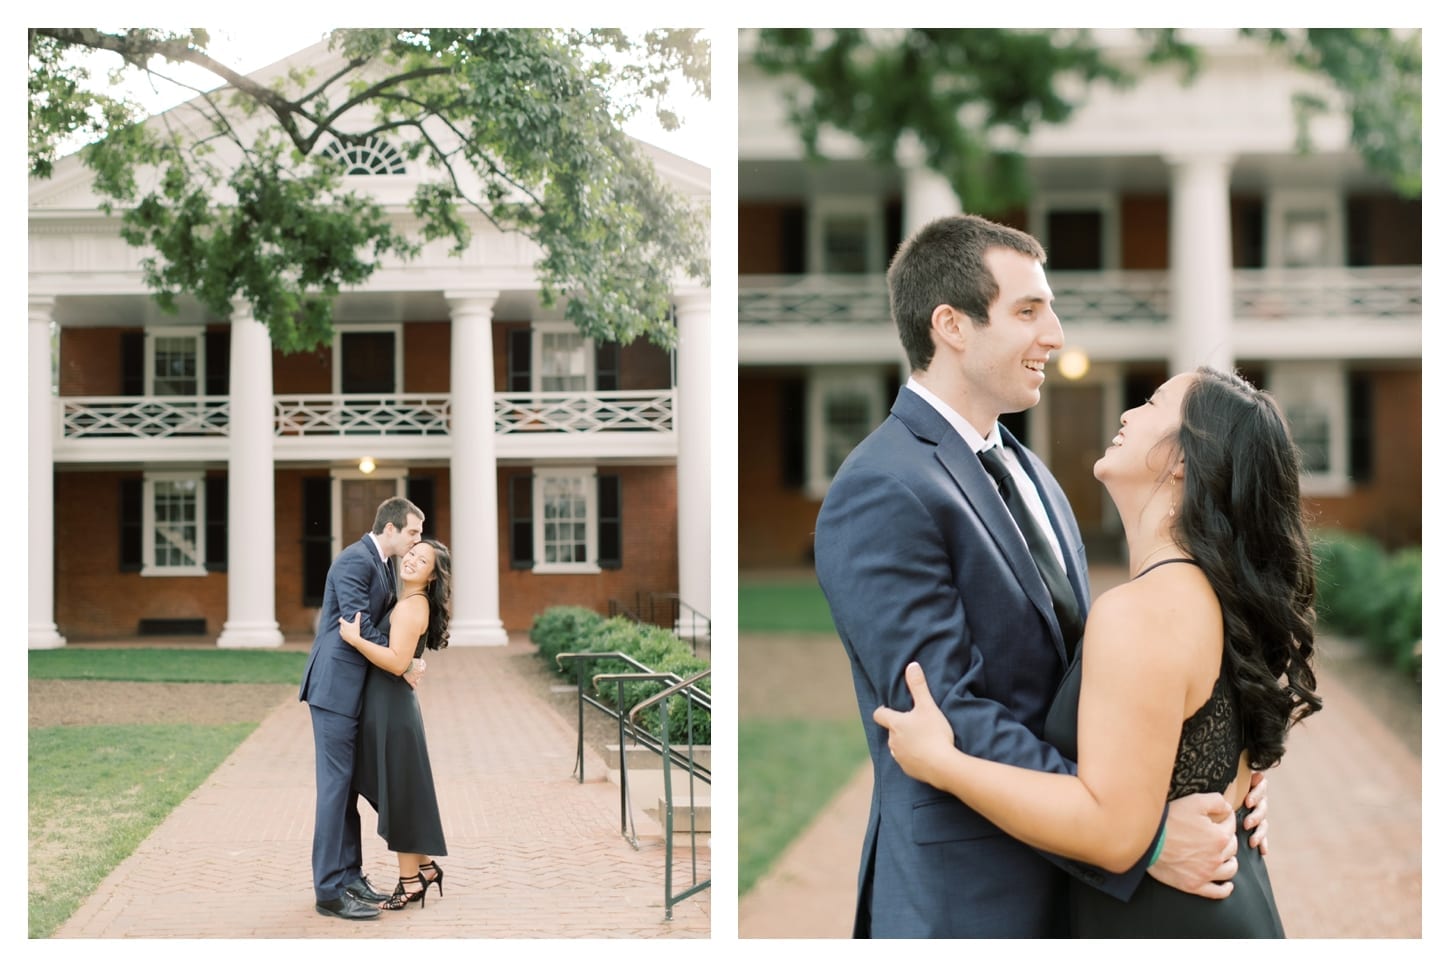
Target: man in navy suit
360,581
921,561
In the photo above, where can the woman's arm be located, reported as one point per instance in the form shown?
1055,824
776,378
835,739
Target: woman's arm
409,621
1135,679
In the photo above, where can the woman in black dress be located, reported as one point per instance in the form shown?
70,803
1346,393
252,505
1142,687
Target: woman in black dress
1191,673
393,773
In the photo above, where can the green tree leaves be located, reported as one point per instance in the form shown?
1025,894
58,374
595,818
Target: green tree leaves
517,128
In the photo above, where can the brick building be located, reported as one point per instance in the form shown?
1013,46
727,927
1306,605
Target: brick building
1181,226
185,477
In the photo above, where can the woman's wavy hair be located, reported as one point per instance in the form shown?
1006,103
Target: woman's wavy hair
1241,518
440,596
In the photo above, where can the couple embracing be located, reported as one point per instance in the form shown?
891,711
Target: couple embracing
387,599
1039,771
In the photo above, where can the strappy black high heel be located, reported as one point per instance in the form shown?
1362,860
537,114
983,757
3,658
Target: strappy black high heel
430,865
402,896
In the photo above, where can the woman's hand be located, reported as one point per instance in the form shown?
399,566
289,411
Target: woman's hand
351,631
922,738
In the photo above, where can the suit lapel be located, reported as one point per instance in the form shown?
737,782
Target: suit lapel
982,499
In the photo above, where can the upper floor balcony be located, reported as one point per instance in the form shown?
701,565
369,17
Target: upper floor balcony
593,425
1277,313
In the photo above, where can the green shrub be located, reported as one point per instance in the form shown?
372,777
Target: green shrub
571,629
1371,596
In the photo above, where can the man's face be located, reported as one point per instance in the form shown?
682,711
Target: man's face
398,542
1005,363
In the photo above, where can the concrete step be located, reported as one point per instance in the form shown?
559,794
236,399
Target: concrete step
639,757
647,794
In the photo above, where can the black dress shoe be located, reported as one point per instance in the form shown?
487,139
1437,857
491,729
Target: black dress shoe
363,890
348,907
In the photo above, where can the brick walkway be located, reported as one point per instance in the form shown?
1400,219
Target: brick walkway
532,851
1345,831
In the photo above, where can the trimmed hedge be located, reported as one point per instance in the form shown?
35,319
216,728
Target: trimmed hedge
571,629
1371,595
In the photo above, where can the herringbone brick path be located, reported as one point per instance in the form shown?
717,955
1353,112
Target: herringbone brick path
532,852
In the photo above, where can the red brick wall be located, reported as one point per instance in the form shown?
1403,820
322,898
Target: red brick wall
302,373
90,361
775,523
643,365
426,357
1388,507
651,558
1144,232
93,597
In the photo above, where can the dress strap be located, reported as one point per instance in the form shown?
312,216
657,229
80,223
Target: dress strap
1167,560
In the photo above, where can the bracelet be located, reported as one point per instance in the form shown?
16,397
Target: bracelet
1157,848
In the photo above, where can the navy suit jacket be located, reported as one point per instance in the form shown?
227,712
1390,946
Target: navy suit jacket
358,581
920,561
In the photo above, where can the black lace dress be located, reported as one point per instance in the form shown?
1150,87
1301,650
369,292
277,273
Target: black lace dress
393,773
1208,760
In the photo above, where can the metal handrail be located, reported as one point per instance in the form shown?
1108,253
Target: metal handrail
686,688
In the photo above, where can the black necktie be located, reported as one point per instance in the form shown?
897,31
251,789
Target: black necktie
1064,603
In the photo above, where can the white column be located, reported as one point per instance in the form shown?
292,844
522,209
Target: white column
926,194
251,499
40,552
1201,275
692,460
473,473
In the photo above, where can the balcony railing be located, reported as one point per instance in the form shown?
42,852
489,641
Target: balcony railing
150,418
602,412
326,415
1122,297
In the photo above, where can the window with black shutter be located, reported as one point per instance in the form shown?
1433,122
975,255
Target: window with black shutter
133,364
316,538
793,432
420,491
131,524
216,523
1361,427
606,366
521,522
218,363
611,533
520,347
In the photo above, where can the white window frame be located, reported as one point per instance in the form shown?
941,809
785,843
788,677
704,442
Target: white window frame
1286,204
821,384
197,335
396,328
536,355
1320,385
825,207
149,567
1103,202
590,476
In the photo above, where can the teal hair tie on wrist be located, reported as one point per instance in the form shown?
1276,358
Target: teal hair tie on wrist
1157,849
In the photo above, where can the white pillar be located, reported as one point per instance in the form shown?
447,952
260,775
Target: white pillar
473,473
692,461
251,498
40,552
1201,275
926,194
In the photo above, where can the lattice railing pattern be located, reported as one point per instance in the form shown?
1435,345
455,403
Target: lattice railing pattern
1124,297
148,418
326,415
650,411
602,412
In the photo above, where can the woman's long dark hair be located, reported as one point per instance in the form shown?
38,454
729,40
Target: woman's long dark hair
440,596
1241,519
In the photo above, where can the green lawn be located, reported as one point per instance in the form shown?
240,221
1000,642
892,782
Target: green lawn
789,771
96,792
169,665
784,605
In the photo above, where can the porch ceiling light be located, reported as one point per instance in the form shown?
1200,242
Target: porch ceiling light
367,465
1073,363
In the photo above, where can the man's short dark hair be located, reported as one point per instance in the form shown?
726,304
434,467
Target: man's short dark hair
395,511
942,264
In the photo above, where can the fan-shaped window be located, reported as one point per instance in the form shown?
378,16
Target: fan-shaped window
372,157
